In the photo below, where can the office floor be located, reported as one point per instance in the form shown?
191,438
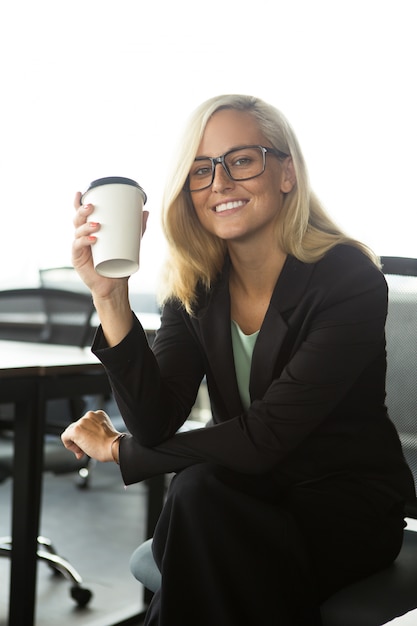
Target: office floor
96,530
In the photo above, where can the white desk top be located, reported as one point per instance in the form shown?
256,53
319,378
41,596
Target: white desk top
35,357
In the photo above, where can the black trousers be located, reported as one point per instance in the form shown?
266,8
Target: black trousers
234,550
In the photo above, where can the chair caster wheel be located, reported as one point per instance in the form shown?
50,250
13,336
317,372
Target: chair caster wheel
81,596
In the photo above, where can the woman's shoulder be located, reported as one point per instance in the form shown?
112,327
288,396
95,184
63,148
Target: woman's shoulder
348,254
350,260
346,267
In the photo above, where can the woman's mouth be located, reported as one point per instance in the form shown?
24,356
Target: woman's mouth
227,206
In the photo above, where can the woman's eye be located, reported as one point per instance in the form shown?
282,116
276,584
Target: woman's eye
241,161
201,170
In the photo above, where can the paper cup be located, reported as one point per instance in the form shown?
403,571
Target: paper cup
118,203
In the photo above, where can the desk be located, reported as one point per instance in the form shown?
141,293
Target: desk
31,374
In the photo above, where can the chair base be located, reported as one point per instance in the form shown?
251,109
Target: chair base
59,565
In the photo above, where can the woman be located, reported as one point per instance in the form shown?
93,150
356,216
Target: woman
298,485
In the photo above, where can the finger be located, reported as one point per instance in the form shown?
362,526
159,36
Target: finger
78,453
81,249
66,437
77,200
100,415
83,220
88,230
101,419
69,444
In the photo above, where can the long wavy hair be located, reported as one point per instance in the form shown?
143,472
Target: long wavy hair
195,256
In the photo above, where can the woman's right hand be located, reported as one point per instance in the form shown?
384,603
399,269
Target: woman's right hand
82,258
110,295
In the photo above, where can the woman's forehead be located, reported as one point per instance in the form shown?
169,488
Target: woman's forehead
227,129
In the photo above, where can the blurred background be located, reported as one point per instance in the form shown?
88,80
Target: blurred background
94,88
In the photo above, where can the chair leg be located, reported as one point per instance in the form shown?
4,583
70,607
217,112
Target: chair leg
48,555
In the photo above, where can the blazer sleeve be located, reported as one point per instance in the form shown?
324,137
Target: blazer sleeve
154,397
338,329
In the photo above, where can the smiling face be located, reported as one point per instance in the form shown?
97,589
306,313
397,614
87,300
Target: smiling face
238,210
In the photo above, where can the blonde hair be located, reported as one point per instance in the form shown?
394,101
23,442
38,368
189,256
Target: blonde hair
303,227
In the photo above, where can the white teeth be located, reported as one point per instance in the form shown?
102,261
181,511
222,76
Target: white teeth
228,205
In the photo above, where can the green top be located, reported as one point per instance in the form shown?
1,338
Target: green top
243,346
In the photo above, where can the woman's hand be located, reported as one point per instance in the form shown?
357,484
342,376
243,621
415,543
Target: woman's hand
110,295
93,435
82,258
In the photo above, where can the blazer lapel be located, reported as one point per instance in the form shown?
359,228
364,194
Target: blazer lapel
215,331
270,354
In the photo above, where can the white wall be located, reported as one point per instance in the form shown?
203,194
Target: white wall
91,88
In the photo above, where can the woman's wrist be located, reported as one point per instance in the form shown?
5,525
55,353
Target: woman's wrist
115,316
115,446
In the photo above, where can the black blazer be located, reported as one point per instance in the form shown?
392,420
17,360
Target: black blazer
317,383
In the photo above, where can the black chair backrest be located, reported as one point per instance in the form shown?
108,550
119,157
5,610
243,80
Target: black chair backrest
47,315
401,331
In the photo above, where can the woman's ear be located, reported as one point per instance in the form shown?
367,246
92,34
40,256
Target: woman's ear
288,175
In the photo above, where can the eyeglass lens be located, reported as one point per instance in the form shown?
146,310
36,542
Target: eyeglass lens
240,164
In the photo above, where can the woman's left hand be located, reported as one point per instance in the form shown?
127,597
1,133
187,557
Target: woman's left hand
92,435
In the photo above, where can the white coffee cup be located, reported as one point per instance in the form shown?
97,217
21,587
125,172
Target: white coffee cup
118,204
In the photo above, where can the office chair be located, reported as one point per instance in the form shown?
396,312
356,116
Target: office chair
63,317
46,315
392,592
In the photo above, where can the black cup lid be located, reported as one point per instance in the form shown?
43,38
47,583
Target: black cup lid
115,180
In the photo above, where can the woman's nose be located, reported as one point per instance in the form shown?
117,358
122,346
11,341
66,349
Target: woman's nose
221,178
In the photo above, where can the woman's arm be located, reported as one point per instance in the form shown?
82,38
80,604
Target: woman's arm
343,342
110,295
153,403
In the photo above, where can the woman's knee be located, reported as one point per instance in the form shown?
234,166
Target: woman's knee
193,482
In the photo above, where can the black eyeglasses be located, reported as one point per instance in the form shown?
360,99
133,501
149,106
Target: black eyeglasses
241,163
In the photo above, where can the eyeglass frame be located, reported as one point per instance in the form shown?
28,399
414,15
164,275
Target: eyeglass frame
221,160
